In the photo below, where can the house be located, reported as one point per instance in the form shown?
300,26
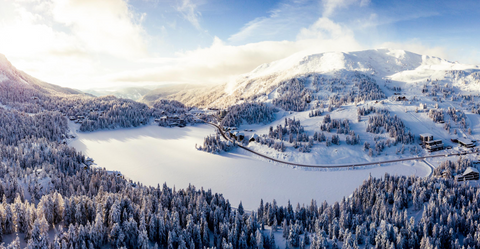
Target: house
89,161
467,143
434,145
425,137
237,135
469,174
72,118
476,161
253,138
430,144
84,166
240,136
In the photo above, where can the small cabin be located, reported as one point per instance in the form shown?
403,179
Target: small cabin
469,174
467,143
89,161
240,136
253,138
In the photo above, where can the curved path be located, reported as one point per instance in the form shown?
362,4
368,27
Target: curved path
329,166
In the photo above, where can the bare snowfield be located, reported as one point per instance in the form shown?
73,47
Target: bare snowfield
153,155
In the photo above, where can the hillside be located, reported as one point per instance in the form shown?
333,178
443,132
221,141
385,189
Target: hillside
11,77
26,94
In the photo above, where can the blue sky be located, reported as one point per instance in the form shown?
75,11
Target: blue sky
91,43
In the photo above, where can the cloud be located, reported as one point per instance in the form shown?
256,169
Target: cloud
72,27
330,6
65,41
219,62
213,64
281,22
419,48
106,26
189,12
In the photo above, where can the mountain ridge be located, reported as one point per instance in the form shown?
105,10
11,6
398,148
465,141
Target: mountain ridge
382,64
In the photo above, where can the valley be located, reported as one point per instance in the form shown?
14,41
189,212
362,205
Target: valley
155,155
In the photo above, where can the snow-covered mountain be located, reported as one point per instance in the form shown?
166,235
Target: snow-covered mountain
380,64
12,78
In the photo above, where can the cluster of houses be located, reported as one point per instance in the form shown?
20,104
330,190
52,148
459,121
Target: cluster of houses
239,136
401,98
88,162
77,119
80,118
171,121
431,144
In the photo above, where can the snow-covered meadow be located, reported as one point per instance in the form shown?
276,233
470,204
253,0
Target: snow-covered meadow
153,155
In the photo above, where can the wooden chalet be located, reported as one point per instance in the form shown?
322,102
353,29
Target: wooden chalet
469,174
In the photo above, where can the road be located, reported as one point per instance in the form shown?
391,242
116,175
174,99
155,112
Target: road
330,166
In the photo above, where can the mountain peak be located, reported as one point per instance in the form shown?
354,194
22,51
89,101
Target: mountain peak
381,61
4,63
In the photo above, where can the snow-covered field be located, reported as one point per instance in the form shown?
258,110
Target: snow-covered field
153,155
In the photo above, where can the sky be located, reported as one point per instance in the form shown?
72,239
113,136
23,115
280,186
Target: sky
114,43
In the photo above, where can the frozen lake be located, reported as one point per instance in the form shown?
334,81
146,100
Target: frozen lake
154,155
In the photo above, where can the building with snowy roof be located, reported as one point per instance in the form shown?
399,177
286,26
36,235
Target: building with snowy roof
469,174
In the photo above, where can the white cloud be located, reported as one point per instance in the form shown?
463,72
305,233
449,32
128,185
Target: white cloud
219,62
214,64
286,18
188,9
106,26
330,6
419,48
86,27
70,42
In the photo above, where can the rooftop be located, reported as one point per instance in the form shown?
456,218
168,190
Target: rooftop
470,170
465,141
426,135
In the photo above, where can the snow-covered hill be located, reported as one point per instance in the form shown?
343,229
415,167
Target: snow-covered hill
11,77
380,64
